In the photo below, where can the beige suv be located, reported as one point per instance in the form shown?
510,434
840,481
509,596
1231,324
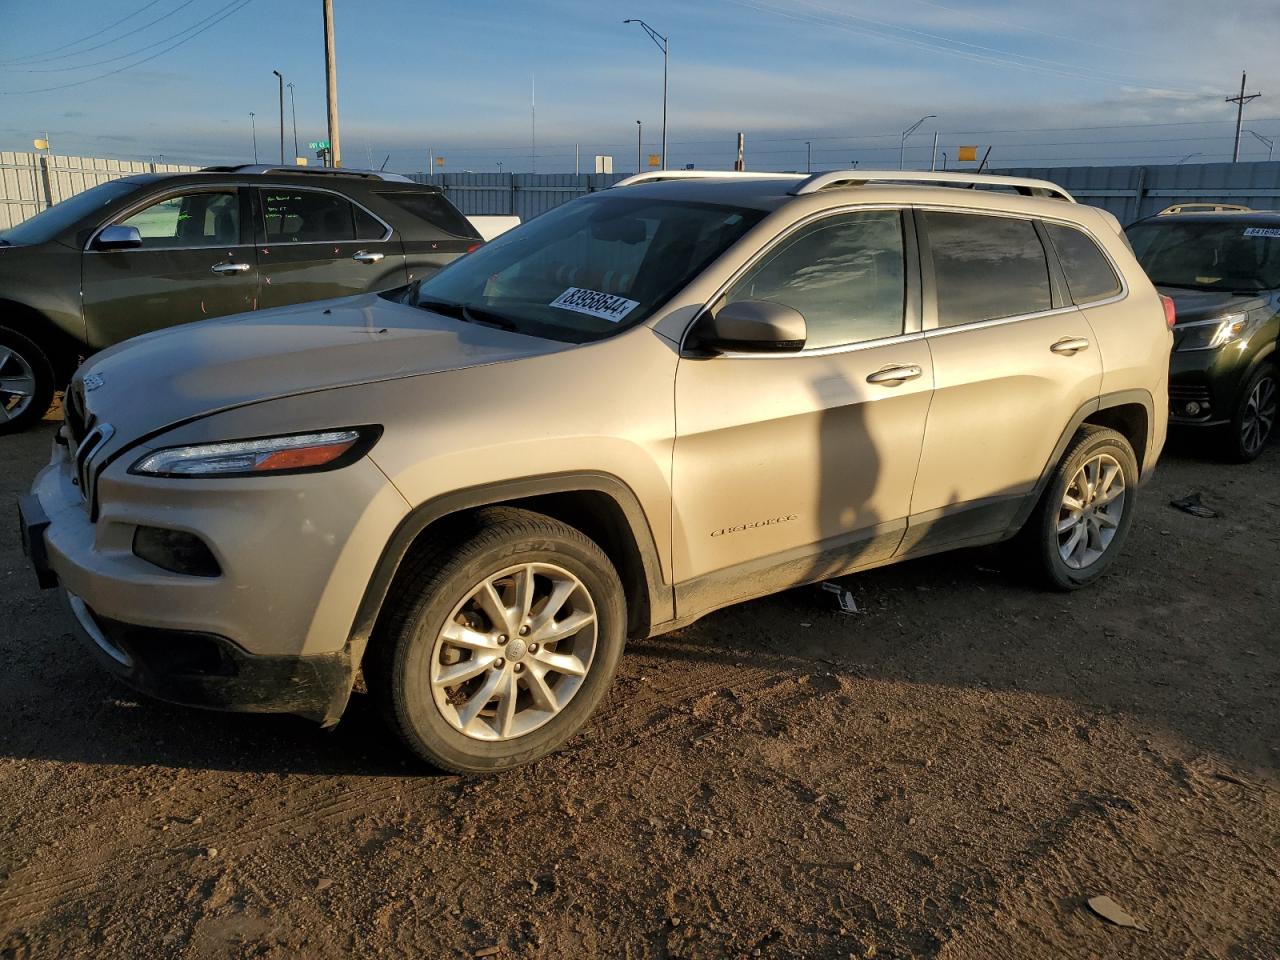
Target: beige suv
644,405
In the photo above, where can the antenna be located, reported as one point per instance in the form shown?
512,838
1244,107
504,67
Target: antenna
533,120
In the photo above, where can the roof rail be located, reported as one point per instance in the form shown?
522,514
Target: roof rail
309,171
858,178
653,176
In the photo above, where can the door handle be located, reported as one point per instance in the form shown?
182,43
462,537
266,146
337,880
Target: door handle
227,269
1068,346
364,256
895,374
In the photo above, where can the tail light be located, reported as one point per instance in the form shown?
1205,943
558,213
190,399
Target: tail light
474,247
1170,310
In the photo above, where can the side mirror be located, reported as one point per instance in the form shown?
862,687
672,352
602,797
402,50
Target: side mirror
753,326
118,237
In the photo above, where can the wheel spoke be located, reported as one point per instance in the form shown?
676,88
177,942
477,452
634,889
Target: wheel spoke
5,355
493,607
1106,520
565,663
480,699
561,590
22,386
1073,541
457,673
559,629
1067,523
1071,503
458,635
508,694
544,697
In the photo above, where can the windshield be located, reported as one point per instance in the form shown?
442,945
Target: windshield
1209,255
47,224
587,269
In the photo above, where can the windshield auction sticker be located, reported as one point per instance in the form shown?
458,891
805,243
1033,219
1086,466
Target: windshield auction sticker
1262,232
595,304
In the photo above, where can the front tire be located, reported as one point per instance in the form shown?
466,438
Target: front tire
1253,421
1084,515
26,381
497,646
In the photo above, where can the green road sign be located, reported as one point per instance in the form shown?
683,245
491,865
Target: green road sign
319,144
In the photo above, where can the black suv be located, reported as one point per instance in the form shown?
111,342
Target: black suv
151,251
1223,272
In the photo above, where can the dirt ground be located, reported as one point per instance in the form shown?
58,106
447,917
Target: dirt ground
949,773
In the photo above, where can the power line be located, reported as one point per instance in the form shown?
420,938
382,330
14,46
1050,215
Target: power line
105,43
236,6
97,33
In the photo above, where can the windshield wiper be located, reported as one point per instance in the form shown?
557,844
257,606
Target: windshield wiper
460,311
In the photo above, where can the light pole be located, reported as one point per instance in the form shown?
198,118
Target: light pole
499,166
293,109
661,41
253,128
808,156
331,86
902,144
1271,144
639,141
1189,156
280,77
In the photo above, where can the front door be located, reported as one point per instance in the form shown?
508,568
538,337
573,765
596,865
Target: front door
194,263
314,244
790,467
1013,361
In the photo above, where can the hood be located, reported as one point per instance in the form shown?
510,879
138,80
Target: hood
181,373
1196,305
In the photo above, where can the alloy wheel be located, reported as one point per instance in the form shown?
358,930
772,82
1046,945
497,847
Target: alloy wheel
1259,415
17,384
514,652
1090,513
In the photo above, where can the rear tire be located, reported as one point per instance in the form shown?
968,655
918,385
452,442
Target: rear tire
498,644
1084,515
1253,421
26,381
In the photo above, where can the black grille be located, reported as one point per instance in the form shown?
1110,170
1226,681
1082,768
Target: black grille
1184,392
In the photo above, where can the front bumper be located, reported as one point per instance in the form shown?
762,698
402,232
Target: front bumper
1203,385
272,632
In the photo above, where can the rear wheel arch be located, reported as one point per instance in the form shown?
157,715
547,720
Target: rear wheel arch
1130,418
600,506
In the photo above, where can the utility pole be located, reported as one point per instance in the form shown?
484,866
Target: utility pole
331,85
253,127
808,156
293,108
533,124
639,142
1240,101
741,162
280,77
933,164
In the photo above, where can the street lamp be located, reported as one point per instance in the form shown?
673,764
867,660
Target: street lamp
253,127
293,108
1189,156
902,144
1271,144
639,141
280,76
808,156
661,41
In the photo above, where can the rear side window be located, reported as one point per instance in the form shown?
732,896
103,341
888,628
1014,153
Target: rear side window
306,216
368,227
986,267
1089,273
431,208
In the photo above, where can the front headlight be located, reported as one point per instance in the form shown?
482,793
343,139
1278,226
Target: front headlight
1211,334
295,453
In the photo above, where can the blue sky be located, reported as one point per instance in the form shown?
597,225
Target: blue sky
1044,83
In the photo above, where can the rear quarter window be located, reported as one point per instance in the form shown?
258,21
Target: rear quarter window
1088,271
433,209
986,267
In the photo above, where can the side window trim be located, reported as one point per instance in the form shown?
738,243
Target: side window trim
912,297
160,197
1058,289
1106,255
260,215
930,293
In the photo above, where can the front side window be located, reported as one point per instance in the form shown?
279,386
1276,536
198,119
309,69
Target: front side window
306,216
986,267
206,219
845,274
588,268
1216,254
1087,269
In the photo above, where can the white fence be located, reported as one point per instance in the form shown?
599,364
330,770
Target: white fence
29,182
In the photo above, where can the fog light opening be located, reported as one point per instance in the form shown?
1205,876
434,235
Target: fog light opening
176,551
1192,409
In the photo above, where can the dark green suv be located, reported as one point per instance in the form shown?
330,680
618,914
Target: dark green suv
151,251
1223,272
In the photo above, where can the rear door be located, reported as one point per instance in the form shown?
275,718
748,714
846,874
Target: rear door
1013,361
431,229
314,244
196,261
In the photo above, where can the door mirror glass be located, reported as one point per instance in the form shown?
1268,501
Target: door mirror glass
118,237
752,326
